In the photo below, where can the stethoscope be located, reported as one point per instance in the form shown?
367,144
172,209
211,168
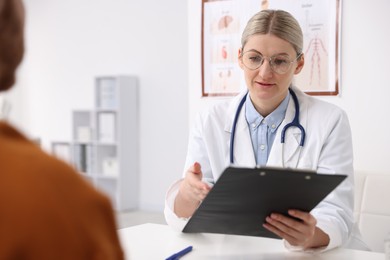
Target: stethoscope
293,123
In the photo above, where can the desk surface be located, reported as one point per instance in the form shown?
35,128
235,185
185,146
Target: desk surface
155,241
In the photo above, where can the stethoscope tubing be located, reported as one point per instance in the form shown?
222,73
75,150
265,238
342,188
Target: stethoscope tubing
293,123
234,128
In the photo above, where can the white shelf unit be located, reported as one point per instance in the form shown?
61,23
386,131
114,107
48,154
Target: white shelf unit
105,140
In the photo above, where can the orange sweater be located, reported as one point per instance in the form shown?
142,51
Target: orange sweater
47,211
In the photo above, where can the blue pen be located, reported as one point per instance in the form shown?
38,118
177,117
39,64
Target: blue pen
180,253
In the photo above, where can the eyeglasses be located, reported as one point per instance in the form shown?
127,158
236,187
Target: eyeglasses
279,63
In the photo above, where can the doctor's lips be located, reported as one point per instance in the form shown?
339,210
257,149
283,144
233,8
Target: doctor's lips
264,84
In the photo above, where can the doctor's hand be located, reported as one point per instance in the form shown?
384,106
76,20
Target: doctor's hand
302,232
192,191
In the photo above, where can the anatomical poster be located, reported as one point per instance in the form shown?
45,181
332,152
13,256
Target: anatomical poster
224,21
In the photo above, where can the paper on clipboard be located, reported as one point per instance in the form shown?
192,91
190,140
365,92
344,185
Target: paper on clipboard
242,198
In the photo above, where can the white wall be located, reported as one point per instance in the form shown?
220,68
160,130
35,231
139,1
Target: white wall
365,84
365,87
70,42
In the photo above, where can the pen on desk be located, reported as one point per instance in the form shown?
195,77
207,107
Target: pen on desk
180,253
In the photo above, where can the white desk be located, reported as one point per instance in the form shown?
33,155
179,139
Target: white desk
155,241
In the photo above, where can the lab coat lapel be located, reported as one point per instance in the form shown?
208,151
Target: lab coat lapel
243,150
292,140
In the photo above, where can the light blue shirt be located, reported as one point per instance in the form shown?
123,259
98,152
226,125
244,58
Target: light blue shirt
263,129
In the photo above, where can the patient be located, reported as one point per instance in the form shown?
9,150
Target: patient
47,211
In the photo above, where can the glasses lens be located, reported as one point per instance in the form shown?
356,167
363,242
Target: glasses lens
280,63
252,60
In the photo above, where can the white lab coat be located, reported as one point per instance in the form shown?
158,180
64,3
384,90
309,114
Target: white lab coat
327,149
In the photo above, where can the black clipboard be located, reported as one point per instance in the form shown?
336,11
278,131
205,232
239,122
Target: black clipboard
242,198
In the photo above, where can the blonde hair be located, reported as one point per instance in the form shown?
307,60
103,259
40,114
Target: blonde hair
276,22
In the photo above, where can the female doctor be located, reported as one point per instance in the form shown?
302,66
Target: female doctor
253,129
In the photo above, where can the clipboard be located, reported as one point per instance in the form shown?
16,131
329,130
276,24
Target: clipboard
242,198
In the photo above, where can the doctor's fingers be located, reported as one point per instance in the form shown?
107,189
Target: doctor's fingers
195,180
306,217
199,188
286,235
192,180
274,229
195,170
195,194
293,237
192,176
196,189
201,194
297,233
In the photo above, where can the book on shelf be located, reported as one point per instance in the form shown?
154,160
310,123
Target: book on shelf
83,158
79,159
89,159
107,127
106,96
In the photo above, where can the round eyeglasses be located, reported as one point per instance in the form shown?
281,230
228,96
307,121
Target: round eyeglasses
279,63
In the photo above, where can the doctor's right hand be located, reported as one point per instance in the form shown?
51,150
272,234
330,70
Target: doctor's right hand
192,191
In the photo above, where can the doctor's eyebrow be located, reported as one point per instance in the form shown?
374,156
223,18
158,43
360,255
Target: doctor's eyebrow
279,53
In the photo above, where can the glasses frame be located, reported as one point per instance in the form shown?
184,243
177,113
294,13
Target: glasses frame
270,61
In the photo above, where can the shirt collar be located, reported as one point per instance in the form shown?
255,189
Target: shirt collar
273,120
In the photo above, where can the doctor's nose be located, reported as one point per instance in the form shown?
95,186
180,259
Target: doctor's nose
265,70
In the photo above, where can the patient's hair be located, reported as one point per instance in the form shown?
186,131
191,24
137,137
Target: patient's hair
11,40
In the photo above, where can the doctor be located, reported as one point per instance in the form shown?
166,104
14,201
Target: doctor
250,130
